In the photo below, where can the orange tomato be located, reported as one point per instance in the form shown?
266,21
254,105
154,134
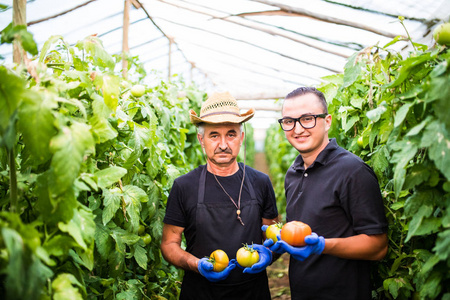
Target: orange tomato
294,233
219,259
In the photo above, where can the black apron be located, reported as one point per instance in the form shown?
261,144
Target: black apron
217,227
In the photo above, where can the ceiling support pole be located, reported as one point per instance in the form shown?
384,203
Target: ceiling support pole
125,47
19,18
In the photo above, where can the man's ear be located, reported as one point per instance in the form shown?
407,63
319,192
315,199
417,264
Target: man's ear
200,139
328,120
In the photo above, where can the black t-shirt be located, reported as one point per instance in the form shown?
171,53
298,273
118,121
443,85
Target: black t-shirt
182,201
182,210
338,196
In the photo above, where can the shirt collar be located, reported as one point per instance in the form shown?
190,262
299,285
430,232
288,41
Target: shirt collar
322,158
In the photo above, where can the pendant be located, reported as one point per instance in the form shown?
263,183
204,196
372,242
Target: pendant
238,212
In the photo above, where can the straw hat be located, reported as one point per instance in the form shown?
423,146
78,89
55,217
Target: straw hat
220,108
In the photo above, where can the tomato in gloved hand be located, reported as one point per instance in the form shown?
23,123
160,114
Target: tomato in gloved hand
247,256
219,259
294,233
272,231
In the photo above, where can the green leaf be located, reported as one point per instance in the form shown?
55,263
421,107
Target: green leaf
19,33
375,114
418,128
81,227
437,138
109,176
432,286
48,43
407,66
36,121
99,106
94,46
416,175
442,246
103,241
380,161
352,69
402,159
393,285
401,114
11,89
59,245
133,196
111,202
25,274
69,148
140,254
64,287
102,129
111,91
349,124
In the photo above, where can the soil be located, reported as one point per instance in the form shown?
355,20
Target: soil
278,271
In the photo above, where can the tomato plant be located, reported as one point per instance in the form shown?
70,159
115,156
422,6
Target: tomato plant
294,233
246,256
398,103
219,259
102,161
272,231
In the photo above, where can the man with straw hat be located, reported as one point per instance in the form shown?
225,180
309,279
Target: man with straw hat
220,205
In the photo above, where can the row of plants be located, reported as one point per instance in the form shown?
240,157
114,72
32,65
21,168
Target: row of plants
87,160
390,109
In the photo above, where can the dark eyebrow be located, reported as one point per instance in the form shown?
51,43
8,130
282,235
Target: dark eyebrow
306,114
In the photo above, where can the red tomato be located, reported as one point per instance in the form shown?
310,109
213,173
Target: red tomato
294,233
219,259
272,231
247,256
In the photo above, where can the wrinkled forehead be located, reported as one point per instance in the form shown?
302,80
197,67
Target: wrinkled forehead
223,127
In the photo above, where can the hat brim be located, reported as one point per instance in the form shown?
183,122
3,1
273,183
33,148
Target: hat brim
221,118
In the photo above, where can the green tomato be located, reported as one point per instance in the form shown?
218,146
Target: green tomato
442,34
138,90
147,238
360,142
141,229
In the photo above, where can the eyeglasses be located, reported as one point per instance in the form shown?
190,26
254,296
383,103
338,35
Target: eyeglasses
306,121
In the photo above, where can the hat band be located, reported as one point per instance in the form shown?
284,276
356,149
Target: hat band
220,113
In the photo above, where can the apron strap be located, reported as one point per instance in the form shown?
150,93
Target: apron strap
201,186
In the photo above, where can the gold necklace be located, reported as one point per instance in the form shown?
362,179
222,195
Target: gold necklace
238,205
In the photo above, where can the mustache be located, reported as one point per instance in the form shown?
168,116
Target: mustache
226,150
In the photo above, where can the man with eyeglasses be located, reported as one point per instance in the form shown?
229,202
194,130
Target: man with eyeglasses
338,195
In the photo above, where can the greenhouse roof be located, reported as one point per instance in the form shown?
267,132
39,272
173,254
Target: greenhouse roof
256,49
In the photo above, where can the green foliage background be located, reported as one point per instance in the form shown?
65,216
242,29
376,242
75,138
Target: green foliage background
83,165
398,107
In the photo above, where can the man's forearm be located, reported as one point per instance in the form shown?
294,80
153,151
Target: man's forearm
362,246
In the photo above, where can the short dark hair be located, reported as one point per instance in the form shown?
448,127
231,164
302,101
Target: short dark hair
309,90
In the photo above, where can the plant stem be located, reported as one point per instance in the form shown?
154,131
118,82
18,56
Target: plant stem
12,180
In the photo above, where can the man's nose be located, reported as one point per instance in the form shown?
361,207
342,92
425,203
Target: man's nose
223,144
298,127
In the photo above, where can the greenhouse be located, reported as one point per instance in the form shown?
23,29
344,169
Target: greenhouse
109,108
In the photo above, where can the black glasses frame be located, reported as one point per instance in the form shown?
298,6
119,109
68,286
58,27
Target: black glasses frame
298,120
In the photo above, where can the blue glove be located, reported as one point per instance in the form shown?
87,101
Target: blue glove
206,269
269,243
314,245
265,258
